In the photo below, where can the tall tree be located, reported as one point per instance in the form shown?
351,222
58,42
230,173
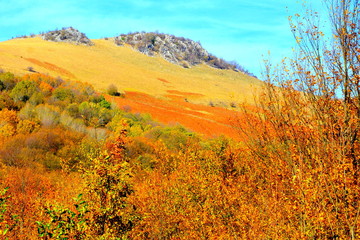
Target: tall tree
307,129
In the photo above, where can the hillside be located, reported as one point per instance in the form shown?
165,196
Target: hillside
288,166
84,162
106,63
173,93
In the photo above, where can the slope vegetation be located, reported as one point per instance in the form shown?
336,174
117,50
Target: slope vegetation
105,63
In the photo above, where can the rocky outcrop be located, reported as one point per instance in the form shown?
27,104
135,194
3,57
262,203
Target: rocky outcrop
176,50
69,34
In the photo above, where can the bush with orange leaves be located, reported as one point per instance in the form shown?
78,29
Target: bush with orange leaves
306,136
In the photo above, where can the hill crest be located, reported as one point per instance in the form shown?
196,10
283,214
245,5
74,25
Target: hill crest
106,63
177,50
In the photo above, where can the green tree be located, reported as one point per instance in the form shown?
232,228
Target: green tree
63,94
65,223
37,98
8,80
23,90
105,104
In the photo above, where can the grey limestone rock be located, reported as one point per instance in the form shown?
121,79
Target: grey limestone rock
69,34
177,50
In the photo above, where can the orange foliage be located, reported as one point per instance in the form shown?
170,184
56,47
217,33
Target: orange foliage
198,193
210,121
9,117
46,80
8,122
294,175
30,191
46,88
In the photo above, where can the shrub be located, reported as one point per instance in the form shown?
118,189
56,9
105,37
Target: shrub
65,223
5,227
6,101
113,90
23,90
27,112
37,98
97,98
2,86
30,69
63,94
87,110
173,137
27,126
8,80
73,110
105,104
48,115
11,150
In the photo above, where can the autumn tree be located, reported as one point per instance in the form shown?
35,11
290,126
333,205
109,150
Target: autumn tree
305,129
8,122
6,101
109,185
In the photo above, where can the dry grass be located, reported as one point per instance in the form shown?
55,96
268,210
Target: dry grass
173,94
105,64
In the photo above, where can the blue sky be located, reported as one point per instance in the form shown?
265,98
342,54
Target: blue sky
240,30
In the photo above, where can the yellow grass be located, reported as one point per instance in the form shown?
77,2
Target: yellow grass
105,64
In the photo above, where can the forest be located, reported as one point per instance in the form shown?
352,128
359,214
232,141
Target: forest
73,165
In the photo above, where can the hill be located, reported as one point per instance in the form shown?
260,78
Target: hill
294,174
103,62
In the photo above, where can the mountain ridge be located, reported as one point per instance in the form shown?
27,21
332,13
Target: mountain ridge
177,50
105,63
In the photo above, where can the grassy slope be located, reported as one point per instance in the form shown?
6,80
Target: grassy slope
107,63
162,86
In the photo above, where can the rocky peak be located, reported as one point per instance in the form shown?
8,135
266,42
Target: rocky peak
67,35
178,50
